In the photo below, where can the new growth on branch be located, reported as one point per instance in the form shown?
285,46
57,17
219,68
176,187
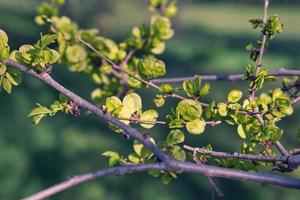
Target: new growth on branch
118,69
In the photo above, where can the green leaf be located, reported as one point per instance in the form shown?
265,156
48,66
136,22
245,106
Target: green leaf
133,102
272,132
196,126
23,55
175,137
234,96
176,123
3,37
46,40
59,2
97,94
178,153
75,53
134,158
154,173
113,105
15,74
141,150
277,92
2,69
222,109
159,100
273,26
148,116
165,88
40,110
11,79
37,119
205,90
53,56
152,68
241,131
113,156
134,83
155,3
6,85
4,51
161,27
46,9
192,88
188,88
159,48
171,9
189,109
256,23
166,179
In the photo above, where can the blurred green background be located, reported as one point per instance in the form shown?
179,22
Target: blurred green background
210,38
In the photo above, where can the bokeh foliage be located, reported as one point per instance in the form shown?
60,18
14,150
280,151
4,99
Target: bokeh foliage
36,157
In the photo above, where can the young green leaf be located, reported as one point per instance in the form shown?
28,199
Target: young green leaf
189,109
141,150
234,96
113,105
154,173
196,126
6,85
40,110
46,40
222,109
165,88
113,156
11,79
2,69
178,153
134,158
148,116
75,53
159,100
204,90
133,102
152,68
175,137
3,37
166,179
241,131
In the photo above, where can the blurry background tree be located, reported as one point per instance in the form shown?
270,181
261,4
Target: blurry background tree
210,37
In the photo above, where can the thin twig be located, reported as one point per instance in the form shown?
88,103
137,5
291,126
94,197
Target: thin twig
264,39
76,180
292,161
252,91
237,155
230,77
296,100
116,67
143,121
295,151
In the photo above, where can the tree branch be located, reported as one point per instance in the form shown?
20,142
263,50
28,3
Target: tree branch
76,180
264,38
167,163
293,160
86,105
212,171
231,77
116,67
